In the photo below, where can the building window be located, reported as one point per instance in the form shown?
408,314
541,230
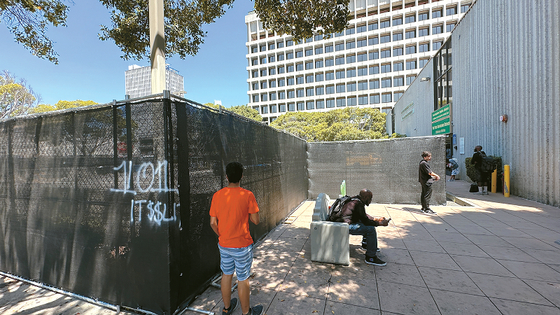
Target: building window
309,78
255,62
411,64
309,40
350,73
282,108
386,68
398,66
272,109
361,28
272,71
270,46
281,95
410,50
351,87
362,100
410,18
329,48
255,86
374,69
320,104
351,30
386,53
300,93
437,13
272,83
289,42
255,98
424,32
362,71
423,16
329,62
299,79
351,101
289,55
398,95
263,60
422,63
340,88
339,46
373,84
280,57
300,106
373,40
398,81
291,81
397,37
410,34
264,109
263,48
263,73
385,39
339,60
329,76
409,79
350,58
308,65
319,77
272,96
362,42
449,27
437,45
397,21
330,89
424,47
373,26
374,99
299,53
451,10
310,105
438,29
290,68
340,102
362,85
263,85
385,24
318,50
255,74
385,83
291,107
318,37
280,44
373,55
281,82
309,52
465,7
320,90
330,103
309,92
350,45
386,98
271,58
362,57
397,51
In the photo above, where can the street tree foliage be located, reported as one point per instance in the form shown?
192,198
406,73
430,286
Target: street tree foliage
334,125
16,98
28,21
60,105
241,110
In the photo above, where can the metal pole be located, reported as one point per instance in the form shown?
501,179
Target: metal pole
157,45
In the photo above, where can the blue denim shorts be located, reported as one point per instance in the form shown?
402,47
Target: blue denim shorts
237,260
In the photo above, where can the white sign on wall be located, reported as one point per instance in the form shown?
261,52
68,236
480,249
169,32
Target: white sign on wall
461,145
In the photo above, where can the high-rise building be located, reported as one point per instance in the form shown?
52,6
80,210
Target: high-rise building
369,64
138,81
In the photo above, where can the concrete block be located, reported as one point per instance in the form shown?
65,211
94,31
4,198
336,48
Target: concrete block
330,242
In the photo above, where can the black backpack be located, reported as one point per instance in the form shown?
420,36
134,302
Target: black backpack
487,165
335,210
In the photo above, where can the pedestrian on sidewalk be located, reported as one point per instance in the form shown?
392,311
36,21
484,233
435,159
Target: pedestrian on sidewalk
230,211
426,177
483,177
360,223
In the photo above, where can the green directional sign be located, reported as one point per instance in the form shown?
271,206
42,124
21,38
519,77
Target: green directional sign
441,120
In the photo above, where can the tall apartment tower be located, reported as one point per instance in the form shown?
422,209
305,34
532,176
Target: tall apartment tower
369,64
138,81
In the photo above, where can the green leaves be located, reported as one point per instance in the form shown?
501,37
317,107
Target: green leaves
335,125
15,97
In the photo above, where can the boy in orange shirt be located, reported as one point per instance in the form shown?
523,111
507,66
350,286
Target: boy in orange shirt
230,211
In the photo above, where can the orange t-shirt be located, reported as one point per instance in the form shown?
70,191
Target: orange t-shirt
232,206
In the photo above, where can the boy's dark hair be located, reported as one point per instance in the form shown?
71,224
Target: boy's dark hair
234,172
426,153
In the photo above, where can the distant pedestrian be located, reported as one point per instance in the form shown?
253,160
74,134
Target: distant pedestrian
453,165
426,178
483,177
230,211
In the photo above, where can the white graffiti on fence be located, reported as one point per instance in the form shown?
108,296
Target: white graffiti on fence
154,179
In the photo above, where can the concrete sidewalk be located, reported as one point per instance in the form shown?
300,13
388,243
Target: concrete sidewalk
496,257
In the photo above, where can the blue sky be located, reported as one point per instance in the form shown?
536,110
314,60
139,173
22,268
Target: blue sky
91,69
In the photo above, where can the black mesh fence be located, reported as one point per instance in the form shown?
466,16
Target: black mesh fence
112,202
389,168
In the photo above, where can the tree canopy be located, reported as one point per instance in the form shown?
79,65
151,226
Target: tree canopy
241,110
60,105
28,21
334,125
16,98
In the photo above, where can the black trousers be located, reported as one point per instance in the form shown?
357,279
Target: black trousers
426,195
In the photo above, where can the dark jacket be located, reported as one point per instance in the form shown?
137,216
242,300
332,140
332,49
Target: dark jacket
424,171
477,159
354,211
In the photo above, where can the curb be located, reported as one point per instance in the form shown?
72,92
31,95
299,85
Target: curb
458,200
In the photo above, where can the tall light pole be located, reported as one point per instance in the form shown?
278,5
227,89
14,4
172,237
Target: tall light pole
157,45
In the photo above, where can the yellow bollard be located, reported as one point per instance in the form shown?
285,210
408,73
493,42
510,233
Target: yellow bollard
506,180
494,181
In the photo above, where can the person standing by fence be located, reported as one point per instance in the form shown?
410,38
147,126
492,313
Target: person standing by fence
231,209
426,178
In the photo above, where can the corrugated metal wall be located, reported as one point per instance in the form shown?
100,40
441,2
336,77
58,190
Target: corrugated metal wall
506,61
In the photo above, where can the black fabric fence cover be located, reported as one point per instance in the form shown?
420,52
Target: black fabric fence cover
389,168
112,202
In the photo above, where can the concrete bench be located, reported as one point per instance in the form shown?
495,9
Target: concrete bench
329,240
